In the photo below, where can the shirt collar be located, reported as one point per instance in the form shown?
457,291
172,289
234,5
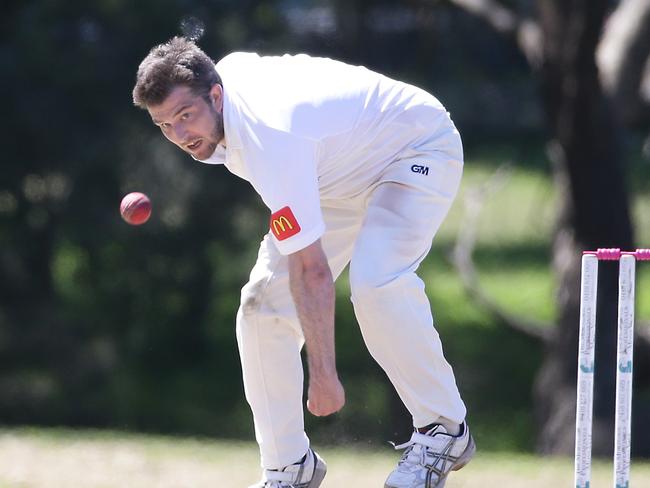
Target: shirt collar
217,157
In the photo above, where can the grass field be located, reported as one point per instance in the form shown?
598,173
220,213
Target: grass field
46,458
514,236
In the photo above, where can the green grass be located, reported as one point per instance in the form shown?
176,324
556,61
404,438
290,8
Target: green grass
48,458
514,236
517,207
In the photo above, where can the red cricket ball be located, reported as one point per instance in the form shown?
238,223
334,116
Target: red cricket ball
135,208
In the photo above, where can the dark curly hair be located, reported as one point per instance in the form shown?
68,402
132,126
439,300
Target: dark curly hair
178,61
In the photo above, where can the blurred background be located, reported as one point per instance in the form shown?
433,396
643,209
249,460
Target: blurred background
125,328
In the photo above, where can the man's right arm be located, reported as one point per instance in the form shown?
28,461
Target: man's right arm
312,288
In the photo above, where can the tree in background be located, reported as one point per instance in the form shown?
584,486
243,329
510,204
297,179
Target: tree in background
624,60
587,158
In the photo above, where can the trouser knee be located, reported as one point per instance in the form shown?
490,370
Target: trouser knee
369,287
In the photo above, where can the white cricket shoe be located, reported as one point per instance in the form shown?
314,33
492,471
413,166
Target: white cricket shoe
307,474
430,457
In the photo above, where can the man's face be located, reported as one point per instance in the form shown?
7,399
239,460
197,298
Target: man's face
189,121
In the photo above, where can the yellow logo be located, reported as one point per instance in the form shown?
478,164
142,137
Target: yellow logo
280,225
283,224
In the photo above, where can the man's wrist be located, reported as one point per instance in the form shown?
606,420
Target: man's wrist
324,371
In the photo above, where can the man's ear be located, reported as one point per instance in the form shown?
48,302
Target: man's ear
216,95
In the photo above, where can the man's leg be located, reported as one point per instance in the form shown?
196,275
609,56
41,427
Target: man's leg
389,298
403,215
270,339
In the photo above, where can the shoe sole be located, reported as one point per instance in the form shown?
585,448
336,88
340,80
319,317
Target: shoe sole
319,472
467,455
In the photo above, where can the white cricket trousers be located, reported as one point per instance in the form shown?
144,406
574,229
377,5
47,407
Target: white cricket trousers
384,234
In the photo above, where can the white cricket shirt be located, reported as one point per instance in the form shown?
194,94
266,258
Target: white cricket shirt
302,129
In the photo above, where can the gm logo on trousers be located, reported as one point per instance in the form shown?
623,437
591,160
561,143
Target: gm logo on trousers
418,168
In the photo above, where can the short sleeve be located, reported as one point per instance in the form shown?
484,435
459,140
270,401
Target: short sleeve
283,171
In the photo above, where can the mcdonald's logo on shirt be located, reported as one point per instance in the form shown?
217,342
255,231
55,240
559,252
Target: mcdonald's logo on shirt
283,224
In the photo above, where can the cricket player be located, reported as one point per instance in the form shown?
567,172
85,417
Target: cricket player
355,168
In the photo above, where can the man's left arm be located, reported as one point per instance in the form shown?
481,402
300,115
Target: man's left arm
312,288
